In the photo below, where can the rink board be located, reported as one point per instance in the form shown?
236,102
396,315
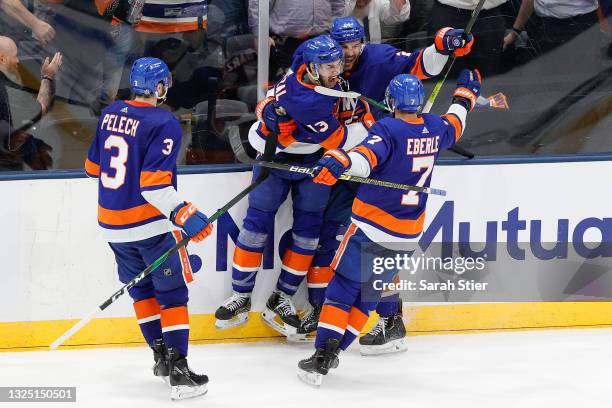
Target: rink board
56,268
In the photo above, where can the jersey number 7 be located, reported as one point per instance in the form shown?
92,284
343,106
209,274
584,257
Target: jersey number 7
418,164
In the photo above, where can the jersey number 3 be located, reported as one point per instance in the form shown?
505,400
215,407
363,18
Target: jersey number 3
116,162
418,164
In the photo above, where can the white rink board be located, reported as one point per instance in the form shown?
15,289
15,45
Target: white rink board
55,266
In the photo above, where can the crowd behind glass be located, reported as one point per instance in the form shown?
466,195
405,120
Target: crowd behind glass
546,66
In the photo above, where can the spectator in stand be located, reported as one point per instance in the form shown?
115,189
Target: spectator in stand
381,19
78,39
17,146
42,31
291,23
173,19
561,20
489,31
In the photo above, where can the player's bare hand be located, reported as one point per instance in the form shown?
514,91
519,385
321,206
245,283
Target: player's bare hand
509,39
399,4
43,32
50,68
271,42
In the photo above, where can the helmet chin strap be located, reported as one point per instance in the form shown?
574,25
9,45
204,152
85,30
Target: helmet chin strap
315,78
161,98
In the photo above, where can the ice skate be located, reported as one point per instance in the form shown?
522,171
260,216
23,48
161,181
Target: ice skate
306,332
312,370
280,314
184,383
388,336
160,355
234,311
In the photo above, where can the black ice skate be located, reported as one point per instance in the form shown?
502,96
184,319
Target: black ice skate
312,370
184,383
234,311
308,327
280,314
388,336
160,355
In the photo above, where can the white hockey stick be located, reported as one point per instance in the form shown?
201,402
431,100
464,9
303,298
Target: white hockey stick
481,102
349,94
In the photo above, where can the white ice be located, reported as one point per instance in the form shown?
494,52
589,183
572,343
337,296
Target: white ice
560,368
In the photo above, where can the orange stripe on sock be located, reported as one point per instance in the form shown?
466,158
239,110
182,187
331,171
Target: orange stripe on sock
357,319
174,316
297,261
320,274
334,316
247,259
187,272
146,308
349,233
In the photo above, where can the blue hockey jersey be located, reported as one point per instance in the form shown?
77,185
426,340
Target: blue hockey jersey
401,152
315,115
135,149
377,65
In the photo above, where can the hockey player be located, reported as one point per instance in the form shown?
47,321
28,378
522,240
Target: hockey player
133,155
401,149
368,69
309,125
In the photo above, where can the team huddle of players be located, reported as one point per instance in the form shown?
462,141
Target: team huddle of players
139,208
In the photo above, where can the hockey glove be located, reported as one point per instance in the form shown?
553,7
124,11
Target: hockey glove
194,223
449,39
468,88
274,118
364,115
331,166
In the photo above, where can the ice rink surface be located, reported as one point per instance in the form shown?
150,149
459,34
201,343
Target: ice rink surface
559,368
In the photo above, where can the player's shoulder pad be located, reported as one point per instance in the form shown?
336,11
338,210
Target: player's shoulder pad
382,126
300,100
378,53
161,118
434,121
112,108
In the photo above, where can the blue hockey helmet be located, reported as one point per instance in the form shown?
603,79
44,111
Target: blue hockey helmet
147,73
405,93
322,50
346,29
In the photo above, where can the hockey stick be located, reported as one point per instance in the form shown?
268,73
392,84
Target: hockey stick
269,151
449,64
242,155
497,101
447,68
349,94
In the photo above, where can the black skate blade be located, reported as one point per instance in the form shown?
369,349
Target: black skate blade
313,379
393,346
236,321
181,392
